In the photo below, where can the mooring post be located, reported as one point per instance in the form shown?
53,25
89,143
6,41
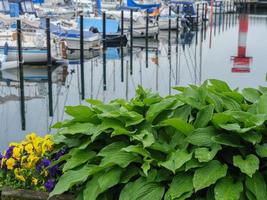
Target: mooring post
177,23
131,42
104,52
147,23
49,67
122,54
82,57
21,77
197,15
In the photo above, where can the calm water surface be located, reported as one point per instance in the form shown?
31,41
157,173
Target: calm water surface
210,52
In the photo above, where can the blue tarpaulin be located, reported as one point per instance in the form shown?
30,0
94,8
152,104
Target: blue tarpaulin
14,9
38,1
112,25
132,3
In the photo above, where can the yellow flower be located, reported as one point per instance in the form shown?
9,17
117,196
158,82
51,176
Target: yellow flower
34,181
3,161
47,146
18,175
17,153
10,163
31,137
29,148
14,144
31,161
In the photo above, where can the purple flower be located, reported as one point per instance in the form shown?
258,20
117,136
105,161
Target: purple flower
39,168
46,162
9,152
50,184
60,153
54,171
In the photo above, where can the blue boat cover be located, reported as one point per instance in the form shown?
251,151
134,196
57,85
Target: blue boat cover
132,3
112,25
57,30
38,1
14,10
98,7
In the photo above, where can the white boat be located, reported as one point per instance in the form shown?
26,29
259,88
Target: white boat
33,46
164,18
139,23
4,64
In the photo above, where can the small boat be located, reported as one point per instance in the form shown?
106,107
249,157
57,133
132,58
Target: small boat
165,17
4,64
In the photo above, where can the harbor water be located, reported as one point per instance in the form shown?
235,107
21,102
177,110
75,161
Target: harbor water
220,49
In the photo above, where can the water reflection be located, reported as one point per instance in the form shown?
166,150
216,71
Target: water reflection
213,50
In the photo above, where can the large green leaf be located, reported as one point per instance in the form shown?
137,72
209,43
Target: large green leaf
261,150
227,139
204,154
155,109
77,158
141,189
73,177
180,125
181,186
183,112
138,149
145,136
220,86
248,166
84,128
209,174
262,105
227,189
80,113
176,160
251,95
204,116
256,186
113,154
101,182
202,136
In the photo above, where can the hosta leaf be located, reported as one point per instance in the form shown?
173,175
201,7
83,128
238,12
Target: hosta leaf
157,108
77,158
138,149
235,128
73,177
176,160
216,101
113,154
251,95
146,166
180,125
202,136
181,184
262,105
80,113
142,190
209,174
261,150
146,137
252,137
183,112
230,104
248,166
84,128
204,116
204,154
227,189
256,185
220,86
227,140
101,182
193,163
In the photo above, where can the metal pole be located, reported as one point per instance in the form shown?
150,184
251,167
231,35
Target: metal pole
82,57
21,75
122,54
177,24
147,18
104,53
49,67
131,43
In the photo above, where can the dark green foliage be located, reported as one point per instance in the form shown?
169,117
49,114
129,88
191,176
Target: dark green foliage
204,143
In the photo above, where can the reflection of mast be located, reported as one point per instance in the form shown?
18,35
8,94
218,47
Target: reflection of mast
241,63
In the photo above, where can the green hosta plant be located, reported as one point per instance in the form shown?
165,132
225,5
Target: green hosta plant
206,142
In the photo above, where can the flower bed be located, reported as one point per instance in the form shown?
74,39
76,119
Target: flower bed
207,142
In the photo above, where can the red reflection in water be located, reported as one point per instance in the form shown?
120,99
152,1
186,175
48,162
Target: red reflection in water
242,62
